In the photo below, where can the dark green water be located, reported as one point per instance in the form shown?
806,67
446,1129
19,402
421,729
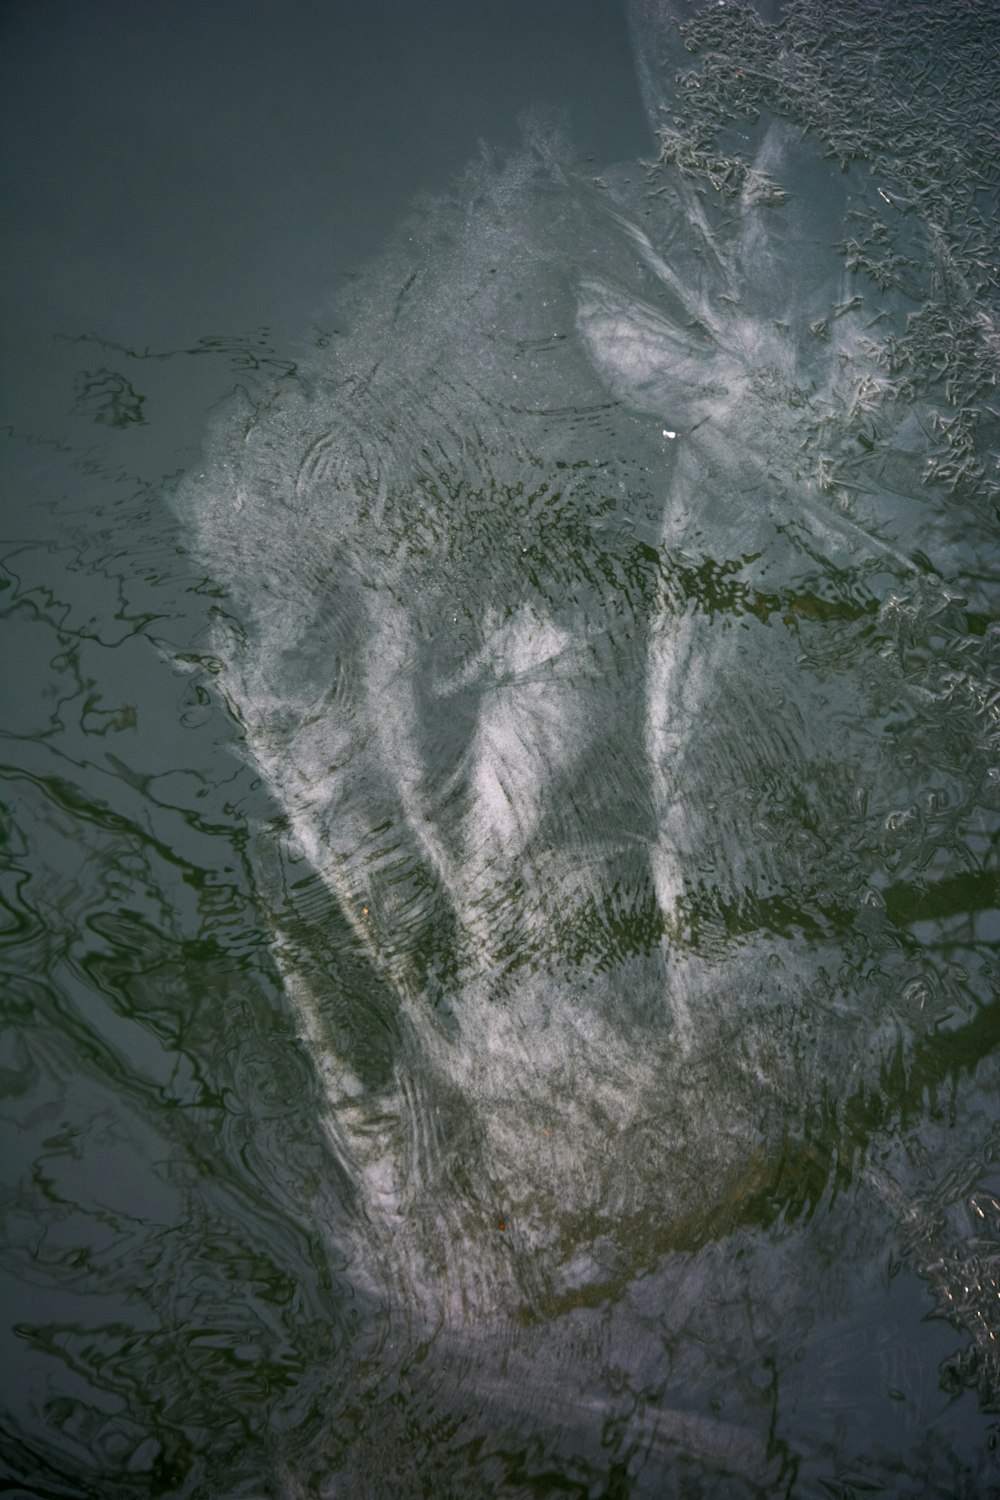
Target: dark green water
501,767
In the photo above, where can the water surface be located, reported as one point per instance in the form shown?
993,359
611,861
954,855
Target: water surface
502,778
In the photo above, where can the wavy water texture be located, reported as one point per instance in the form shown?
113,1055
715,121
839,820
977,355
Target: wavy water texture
609,610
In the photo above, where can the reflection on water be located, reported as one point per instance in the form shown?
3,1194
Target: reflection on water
571,1068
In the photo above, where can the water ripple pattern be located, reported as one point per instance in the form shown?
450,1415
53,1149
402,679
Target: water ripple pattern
605,940
615,610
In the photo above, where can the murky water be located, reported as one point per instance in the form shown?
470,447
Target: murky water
502,800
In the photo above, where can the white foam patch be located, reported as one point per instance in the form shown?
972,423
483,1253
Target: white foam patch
529,722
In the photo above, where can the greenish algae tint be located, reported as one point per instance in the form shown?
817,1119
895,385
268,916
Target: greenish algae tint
546,1044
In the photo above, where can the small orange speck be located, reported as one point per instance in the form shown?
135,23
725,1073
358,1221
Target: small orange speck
503,1224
